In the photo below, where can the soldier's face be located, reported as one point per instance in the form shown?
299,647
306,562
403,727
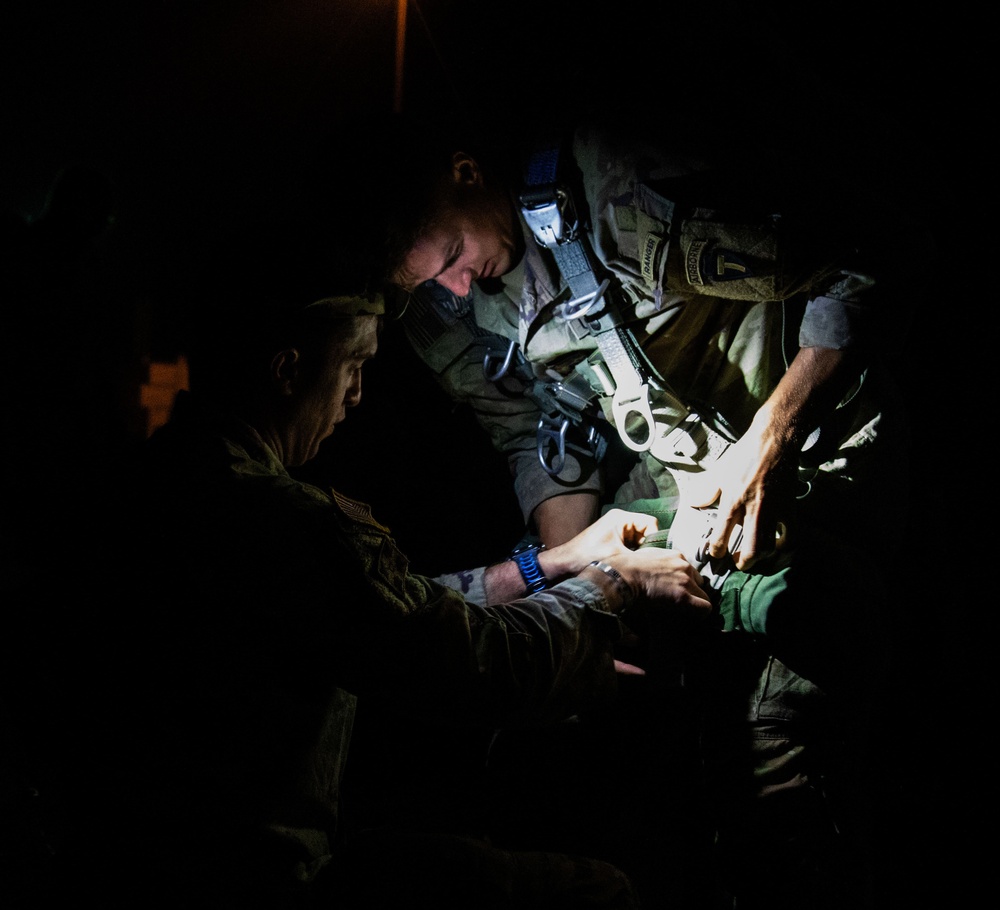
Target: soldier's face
473,237
322,400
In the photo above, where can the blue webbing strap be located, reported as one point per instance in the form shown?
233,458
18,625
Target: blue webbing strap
550,213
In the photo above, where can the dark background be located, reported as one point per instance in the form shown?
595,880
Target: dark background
183,120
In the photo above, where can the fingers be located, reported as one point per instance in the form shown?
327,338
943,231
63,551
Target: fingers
700,602
626,529
668,576
615,533
745,537
696,591
719,544
760,540
689,593
634,524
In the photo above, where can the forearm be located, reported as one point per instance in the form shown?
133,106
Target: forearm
503,581
560,518
816,381
608,541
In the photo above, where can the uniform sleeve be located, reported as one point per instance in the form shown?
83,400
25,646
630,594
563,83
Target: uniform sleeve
470,583
836,317
410,638
885,246
533,484
535,660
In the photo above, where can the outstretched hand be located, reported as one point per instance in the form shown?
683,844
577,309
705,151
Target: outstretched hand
614,533
656,577
755,480
662,577
753,487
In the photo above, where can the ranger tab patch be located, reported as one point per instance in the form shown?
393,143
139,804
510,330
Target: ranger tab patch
650,256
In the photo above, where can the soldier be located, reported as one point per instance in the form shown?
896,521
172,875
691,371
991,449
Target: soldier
591,293
223,699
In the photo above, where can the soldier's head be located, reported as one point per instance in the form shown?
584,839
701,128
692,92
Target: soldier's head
285,323
451,214
313,376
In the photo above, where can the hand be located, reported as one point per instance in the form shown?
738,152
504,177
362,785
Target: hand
670,604
662,578
755,480
753,486
613,534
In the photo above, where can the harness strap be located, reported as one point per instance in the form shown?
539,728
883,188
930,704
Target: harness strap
549,210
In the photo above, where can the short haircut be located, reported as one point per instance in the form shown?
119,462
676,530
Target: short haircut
419,163
252,296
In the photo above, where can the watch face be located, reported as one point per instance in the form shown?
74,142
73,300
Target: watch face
524,548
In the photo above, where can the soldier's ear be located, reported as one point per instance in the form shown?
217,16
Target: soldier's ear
285,369
464,169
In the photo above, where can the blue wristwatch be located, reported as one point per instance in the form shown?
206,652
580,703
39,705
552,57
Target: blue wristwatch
527,561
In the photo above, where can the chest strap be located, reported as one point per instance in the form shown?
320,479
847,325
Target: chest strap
628,377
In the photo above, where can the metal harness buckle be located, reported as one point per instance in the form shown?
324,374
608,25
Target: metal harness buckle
551,215
552,442
564,405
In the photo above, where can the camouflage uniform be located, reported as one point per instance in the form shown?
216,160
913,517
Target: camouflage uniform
275,606
721,347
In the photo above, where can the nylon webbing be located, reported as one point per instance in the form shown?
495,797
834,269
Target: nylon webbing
542,186
572,261
547,206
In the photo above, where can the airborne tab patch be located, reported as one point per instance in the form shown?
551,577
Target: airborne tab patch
692,261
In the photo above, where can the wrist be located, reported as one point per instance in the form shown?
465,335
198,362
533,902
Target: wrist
624,594
557,564
532,573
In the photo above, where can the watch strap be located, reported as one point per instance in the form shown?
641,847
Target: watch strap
527,562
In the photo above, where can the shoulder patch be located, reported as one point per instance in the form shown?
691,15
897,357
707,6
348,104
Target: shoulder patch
356,511
692,262
649,257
